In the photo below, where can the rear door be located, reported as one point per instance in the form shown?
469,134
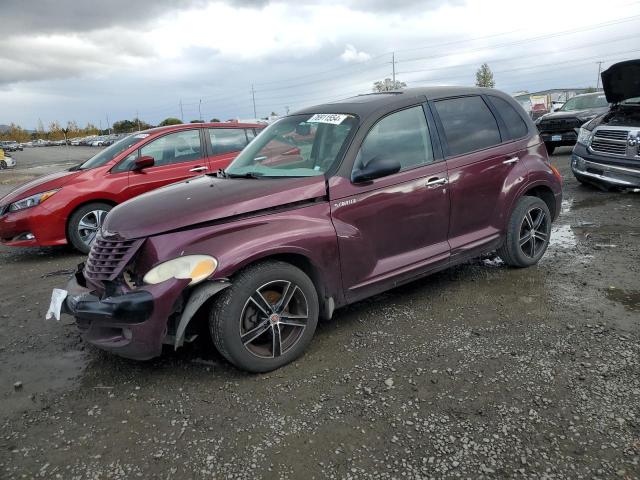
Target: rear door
177,155
479,158
392,228
224,144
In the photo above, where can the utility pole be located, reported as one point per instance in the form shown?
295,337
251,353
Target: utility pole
138,120
199,111
253,97
393,63
599,71
100,123
181,112
108,124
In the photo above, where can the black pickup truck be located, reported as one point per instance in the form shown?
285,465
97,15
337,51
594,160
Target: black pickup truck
560,128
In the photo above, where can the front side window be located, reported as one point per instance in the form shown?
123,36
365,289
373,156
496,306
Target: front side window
402,136
468,124
295,146
176,147
225,140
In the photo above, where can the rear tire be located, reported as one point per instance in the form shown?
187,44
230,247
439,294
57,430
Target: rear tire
528,233
84,225
550,148
3,164
266,318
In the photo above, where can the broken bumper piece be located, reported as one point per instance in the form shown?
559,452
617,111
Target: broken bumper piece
129,324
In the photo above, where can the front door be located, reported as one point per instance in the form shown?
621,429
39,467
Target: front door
393,228
178,156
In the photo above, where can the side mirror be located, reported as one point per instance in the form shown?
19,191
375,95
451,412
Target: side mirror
143,162
376,168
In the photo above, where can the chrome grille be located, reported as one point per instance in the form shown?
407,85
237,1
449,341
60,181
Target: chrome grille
610,142
108,257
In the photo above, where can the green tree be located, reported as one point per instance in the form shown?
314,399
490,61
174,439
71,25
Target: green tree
388,85
215,120
590,90
196,121
170,121
484,77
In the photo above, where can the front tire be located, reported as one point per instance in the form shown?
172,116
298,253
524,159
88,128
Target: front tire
266,318
528,233
85,223
3,164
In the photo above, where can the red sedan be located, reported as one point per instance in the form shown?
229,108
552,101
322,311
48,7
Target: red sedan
70,206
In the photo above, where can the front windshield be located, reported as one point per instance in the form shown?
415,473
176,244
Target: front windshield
296,146
585,102
109,153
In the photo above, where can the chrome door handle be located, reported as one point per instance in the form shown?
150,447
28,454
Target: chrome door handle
198,169
434,182
511,160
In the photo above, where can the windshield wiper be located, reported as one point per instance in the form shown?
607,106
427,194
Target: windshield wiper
244,175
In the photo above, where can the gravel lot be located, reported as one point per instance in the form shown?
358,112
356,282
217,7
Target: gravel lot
480,371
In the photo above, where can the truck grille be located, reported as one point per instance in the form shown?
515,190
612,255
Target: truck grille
560,125
108,258
610,142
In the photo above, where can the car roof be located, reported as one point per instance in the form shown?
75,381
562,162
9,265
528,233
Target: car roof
365,104
180,126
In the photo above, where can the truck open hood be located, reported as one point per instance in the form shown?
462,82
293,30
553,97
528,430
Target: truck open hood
621,81
207,199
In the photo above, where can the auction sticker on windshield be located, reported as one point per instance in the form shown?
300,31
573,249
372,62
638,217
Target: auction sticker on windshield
332,118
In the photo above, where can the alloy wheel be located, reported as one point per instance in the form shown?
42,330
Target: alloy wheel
273,319
534,232
89,225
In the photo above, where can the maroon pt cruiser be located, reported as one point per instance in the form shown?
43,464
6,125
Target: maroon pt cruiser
325,207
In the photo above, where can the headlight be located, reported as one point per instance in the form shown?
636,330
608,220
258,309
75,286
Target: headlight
31,201
584,136
195,267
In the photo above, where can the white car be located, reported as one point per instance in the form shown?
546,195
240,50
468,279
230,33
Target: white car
7,162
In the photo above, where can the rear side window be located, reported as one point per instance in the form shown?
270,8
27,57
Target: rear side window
468,124
402,136
512,119
225,140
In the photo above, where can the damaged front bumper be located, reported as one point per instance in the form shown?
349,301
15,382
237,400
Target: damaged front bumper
132,324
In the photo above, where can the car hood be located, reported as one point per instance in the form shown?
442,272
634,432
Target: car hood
40,184
575,113
207,199
621,81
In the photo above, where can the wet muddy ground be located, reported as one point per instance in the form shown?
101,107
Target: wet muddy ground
480,371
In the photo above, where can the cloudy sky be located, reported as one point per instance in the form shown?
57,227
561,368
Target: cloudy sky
86,61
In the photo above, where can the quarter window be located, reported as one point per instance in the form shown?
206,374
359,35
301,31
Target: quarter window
225,140
401,136
516,128
468,124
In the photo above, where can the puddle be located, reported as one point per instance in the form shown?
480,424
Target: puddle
567,205
593,201
629,298
563,236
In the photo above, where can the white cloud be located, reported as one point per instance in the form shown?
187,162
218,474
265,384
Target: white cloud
351,54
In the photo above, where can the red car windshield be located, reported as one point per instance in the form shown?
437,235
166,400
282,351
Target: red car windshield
109,153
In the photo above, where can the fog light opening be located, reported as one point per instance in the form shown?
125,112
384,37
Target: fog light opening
24,236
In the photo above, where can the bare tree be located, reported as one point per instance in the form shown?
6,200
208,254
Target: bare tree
388,85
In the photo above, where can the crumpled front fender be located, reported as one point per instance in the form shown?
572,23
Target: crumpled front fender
198,297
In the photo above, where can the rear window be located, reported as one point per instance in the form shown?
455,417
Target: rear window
516,128
468,124
225,140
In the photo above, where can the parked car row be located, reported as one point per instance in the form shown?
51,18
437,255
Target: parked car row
10,146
